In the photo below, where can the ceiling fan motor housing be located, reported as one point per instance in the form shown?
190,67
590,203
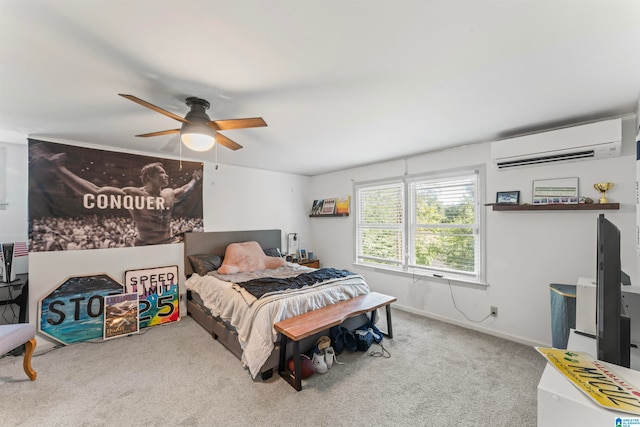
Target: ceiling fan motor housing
195,132
198,110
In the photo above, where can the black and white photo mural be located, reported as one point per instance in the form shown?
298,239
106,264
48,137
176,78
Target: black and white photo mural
84,198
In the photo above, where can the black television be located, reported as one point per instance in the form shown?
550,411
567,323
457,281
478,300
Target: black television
613,328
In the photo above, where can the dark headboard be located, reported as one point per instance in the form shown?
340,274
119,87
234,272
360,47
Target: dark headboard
215,242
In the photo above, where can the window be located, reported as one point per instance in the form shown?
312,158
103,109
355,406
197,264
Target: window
421,224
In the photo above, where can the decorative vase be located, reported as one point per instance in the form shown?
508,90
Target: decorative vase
603,187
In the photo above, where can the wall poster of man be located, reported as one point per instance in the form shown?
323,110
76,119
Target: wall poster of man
84,198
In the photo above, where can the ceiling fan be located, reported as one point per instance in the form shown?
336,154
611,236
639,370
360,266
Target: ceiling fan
198,131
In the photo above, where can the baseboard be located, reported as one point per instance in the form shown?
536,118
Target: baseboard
477,328
44,346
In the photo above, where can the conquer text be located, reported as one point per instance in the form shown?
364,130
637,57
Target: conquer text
114,201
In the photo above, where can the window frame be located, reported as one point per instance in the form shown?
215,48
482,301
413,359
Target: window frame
408,226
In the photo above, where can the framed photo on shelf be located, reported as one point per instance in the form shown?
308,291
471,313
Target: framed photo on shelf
342,205
316,208
335,206
555,191
508,197
303,253
328,206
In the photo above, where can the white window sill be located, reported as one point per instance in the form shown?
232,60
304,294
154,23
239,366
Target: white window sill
424,275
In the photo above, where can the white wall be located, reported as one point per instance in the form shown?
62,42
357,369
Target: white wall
13,224
525,251
235,198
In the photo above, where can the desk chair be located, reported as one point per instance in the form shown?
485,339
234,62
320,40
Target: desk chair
13,336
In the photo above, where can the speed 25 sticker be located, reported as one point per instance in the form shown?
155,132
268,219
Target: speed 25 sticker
157,290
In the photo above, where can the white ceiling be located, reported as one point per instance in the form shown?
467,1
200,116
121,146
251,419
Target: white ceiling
340,82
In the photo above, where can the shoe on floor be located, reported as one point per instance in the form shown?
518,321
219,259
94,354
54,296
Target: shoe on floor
323,342
329,356
319,363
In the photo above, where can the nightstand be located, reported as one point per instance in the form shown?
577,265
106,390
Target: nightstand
311,263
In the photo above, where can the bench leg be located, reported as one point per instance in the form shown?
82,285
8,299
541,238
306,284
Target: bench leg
389,328
374,317
30,346
282,362
374,314
297,366
294,379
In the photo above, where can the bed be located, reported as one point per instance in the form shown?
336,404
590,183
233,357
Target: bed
236,309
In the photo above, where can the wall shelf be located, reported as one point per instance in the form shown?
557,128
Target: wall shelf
559,207
328,215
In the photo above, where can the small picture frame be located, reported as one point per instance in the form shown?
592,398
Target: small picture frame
328,206
303,254
121,315
508,197
555,191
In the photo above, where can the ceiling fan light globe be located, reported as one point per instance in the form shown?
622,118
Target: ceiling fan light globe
198,141
197,136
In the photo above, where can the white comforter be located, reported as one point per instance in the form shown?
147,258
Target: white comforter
254,322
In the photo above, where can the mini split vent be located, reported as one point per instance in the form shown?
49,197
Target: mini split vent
590,141
546,159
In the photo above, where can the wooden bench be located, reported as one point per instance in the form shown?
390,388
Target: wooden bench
315,321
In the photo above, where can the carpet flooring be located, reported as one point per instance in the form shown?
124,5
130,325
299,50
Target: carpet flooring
176,374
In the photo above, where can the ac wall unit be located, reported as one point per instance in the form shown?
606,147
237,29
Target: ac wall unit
590,141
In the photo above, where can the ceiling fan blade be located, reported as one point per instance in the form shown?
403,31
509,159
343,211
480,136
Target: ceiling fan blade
159,133
153,107
254,122
223,140
172,145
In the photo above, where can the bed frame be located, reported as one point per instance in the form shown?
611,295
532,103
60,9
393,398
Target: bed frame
215,243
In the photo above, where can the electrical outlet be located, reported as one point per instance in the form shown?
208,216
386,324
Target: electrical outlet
494,311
